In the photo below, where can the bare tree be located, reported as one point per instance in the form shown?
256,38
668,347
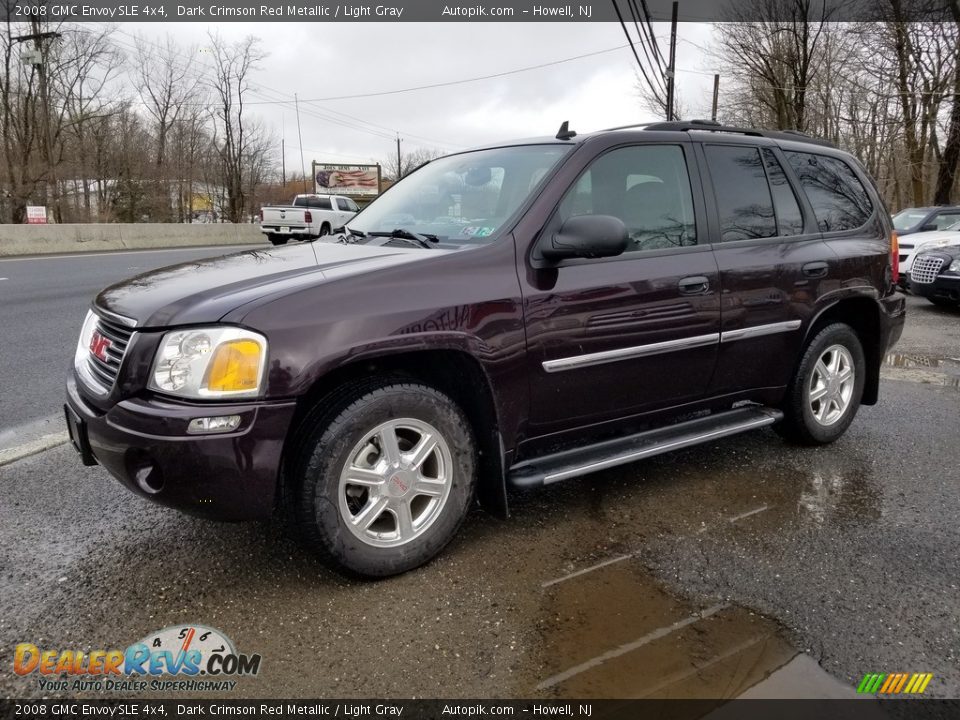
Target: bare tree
233,64
409,161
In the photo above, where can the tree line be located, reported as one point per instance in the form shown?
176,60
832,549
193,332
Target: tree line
101,127
887,90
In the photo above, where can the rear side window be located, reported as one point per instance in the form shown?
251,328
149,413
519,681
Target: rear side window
789,219
745,205
839,199
313,202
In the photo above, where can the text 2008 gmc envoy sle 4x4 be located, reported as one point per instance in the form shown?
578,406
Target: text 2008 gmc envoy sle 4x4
506,317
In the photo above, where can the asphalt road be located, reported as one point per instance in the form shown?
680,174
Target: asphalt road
696,574
42,304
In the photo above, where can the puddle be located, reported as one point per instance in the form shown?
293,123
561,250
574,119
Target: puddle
929,369
613,633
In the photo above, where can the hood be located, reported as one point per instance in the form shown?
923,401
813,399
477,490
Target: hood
204,291
934,237
951,251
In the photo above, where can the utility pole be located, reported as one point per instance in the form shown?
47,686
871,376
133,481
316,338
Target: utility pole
716,94
283,161
38,38
672,69
399,169
303,167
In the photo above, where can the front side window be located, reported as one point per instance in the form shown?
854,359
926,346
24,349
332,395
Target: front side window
647,187
462,199
342,204
744,202
839,199
943,221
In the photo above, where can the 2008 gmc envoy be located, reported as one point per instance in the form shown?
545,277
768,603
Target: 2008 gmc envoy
506,317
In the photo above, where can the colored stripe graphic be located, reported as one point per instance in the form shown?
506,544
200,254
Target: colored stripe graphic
894,683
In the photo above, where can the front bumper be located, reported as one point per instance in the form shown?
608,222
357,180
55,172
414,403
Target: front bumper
943,286
144,444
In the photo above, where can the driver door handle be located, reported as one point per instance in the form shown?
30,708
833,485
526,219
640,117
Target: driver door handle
817,269
695,285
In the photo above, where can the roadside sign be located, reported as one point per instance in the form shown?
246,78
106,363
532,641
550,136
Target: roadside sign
36,214
363,180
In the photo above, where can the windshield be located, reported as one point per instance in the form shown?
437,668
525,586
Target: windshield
462,198
906,219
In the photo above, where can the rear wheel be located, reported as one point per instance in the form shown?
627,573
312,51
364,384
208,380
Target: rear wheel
825,393
277,239
384,484
324,229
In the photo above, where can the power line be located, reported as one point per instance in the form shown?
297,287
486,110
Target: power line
468,80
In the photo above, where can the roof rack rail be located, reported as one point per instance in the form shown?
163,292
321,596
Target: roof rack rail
714,126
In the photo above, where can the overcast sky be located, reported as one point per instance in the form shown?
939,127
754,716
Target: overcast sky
318,60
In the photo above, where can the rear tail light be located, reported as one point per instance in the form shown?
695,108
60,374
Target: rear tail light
895,257
261,214
307,216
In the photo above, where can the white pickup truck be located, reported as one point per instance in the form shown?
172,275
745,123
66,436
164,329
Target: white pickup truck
308,216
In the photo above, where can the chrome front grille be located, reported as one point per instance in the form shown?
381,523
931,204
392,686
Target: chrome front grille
113,346
925,269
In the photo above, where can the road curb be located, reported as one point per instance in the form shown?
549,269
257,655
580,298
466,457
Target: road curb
41,444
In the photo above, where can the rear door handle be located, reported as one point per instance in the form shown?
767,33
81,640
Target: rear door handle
817,269
696,285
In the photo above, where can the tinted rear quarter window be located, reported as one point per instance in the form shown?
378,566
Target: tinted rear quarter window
789,218
839,199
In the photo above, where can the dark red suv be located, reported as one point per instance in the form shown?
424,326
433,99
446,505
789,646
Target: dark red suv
510,316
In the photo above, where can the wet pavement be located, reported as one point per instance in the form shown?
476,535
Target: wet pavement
746,567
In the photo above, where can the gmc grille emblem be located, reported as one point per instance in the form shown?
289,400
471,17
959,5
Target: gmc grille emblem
99,345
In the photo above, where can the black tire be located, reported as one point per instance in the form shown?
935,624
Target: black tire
324,229
329,439
799,424
277,239
944,302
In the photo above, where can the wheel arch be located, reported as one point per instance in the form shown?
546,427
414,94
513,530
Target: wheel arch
456,373
862,314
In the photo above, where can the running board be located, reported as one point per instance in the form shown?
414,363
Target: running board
611,453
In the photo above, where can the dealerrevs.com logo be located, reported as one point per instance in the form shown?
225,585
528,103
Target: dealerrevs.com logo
187,658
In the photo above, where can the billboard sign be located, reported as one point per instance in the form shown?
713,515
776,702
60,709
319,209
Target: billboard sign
346,179
36,215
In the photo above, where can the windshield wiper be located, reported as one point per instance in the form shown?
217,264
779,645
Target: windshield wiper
348,234
422,239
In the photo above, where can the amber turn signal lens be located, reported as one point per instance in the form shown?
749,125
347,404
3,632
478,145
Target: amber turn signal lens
235,366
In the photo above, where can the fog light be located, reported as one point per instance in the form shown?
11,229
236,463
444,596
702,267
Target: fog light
218,424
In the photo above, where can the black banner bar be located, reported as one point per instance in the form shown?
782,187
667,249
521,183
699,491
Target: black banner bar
211,11
865,709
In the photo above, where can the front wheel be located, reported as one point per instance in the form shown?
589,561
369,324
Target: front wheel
944,302
825,393
383,486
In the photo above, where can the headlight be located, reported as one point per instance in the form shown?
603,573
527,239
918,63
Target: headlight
86,335
931,244
214,362
955,266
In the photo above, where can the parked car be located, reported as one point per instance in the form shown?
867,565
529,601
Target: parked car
548,309
307,216
925,219
917,243
936,275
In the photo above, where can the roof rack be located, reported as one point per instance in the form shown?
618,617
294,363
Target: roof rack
714,126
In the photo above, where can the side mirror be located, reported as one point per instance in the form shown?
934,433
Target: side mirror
588,236
928,227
